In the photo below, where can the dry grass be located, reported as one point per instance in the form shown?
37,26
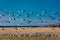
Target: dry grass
30,38
30,30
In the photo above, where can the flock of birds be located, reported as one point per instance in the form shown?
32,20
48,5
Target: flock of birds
19,14
31,35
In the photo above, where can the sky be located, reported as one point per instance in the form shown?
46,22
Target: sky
37,6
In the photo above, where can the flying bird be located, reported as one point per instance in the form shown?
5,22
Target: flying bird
39,14
59,19
21,11
28,21
44,11
7,21
31,12
53,18
2,15
27,15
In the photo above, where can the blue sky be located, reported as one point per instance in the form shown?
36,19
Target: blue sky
31,5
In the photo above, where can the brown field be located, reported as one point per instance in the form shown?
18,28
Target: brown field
30,38
30,30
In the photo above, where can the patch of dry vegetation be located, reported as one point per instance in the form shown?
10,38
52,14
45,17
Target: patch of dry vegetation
30,38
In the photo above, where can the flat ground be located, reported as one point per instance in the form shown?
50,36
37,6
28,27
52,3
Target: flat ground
30,30
30,38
